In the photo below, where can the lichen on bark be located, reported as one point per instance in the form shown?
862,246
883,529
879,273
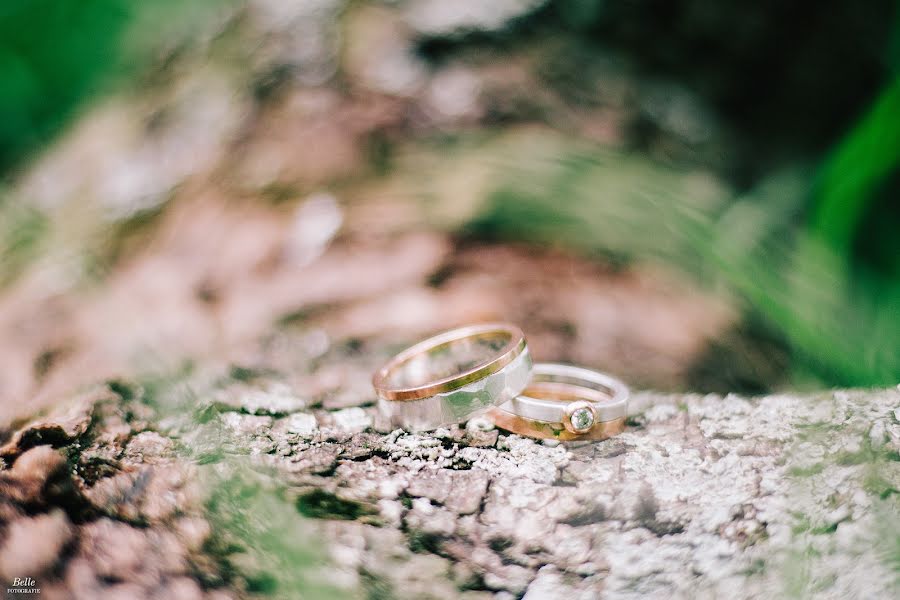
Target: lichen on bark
781,495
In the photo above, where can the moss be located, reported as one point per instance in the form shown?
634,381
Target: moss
440,276
380,152
807,471
261,583
858,457
127,390
867,454
423,542
634,421
301,316
500,543
251,517
795,574
801,525
246,374
757,567
319,504
376,587
875,484
277,193
824,529
811,431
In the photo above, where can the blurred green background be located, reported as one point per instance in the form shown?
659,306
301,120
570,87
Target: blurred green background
53,56
804,96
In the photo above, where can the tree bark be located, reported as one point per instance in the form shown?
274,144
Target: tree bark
702,496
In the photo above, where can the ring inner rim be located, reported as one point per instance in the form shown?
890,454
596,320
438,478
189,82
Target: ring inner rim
607,394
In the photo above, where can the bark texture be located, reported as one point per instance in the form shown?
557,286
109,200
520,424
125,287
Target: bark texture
703,496
295,189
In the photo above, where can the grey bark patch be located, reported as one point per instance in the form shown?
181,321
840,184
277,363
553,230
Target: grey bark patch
459,491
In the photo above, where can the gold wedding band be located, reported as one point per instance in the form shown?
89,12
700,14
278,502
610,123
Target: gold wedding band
453,376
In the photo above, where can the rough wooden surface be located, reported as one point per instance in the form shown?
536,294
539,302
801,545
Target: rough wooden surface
274,194
703,496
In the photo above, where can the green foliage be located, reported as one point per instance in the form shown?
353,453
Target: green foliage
851,176
56,55
617,205
53,54
842,327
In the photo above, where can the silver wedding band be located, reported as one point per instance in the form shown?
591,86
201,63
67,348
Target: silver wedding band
606,396
567,403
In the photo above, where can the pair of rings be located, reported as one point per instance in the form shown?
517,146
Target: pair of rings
487,370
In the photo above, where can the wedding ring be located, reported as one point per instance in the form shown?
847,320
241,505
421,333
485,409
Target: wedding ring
453,376
566,403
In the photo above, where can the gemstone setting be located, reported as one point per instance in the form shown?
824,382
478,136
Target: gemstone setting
580,416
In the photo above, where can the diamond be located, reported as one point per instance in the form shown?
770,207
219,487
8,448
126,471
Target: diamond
582,419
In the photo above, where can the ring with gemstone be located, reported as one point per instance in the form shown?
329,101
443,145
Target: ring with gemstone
566,403
453,376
